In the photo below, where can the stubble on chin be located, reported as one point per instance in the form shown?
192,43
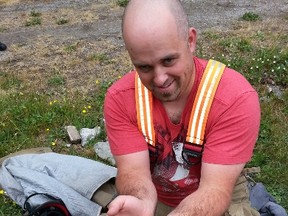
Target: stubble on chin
167,97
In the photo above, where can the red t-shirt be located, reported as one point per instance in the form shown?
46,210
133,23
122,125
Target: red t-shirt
230,135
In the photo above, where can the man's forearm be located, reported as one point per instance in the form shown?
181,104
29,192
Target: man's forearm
137,185
210,202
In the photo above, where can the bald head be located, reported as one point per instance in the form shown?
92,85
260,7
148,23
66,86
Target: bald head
151,15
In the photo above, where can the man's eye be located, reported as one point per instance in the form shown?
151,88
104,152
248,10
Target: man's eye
144,68
168,61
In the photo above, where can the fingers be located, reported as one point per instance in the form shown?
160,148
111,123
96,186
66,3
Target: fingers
116,206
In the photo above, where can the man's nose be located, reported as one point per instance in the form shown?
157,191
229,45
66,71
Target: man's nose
160,76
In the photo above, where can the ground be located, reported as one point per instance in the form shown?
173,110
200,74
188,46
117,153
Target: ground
66,46
80,41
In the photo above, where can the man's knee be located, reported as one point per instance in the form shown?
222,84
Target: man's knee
240,204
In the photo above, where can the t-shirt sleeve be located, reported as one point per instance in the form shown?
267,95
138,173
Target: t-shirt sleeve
121,123
232,137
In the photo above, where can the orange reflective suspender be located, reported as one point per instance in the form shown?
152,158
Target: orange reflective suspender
203,101
144,106
200,111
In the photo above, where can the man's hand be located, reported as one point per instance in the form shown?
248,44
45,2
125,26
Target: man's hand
127,205
138,195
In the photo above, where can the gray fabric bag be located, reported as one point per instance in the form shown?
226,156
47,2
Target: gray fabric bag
73,179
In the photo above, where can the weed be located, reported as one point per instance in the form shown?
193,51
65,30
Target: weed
250,16
210,35
56,80
70,48
34,19
9,81
2,29
122,3
9,207
62,21
35,14
99,57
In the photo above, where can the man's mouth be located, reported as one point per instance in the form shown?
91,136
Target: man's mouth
166,85
166,88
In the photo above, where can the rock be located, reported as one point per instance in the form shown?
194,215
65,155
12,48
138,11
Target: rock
275,90
73,134
102,149
88,134
3,47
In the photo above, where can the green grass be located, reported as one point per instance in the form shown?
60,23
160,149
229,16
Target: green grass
101,58
62,21
250,16
122,3
34,19
29,118
70,48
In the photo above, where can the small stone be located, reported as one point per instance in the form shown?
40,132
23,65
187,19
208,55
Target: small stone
73,134
275,90
88,134
103,151
3,47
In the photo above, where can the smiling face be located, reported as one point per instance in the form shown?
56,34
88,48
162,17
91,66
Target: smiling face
161,56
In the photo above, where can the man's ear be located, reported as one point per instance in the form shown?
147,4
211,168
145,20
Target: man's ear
192,37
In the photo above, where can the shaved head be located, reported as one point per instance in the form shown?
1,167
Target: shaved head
154,13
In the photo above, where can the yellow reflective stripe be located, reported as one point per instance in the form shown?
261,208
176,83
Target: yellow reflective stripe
144,111
203,102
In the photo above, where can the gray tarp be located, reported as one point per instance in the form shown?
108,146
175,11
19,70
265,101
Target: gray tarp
71,178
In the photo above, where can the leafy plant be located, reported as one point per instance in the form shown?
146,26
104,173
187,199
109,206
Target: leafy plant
70,48
250,16
34,19
35,14
62,21
122,3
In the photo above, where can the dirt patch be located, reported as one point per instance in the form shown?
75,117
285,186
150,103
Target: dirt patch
87,45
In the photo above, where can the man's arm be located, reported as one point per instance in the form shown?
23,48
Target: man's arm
134,184
214,193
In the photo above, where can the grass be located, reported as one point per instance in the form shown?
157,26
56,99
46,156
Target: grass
122,3
34,19
250,16
61,21
32,117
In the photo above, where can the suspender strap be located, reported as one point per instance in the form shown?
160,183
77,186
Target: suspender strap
200,110
203,102
144,106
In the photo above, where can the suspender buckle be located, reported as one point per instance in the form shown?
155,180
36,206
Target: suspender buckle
192,153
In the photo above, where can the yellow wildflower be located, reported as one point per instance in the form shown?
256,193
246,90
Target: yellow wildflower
2,192
53,143
84,111
97,82
89,106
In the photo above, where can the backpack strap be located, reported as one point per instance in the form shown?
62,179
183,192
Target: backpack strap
201,107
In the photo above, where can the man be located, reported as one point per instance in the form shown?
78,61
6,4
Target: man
153,178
